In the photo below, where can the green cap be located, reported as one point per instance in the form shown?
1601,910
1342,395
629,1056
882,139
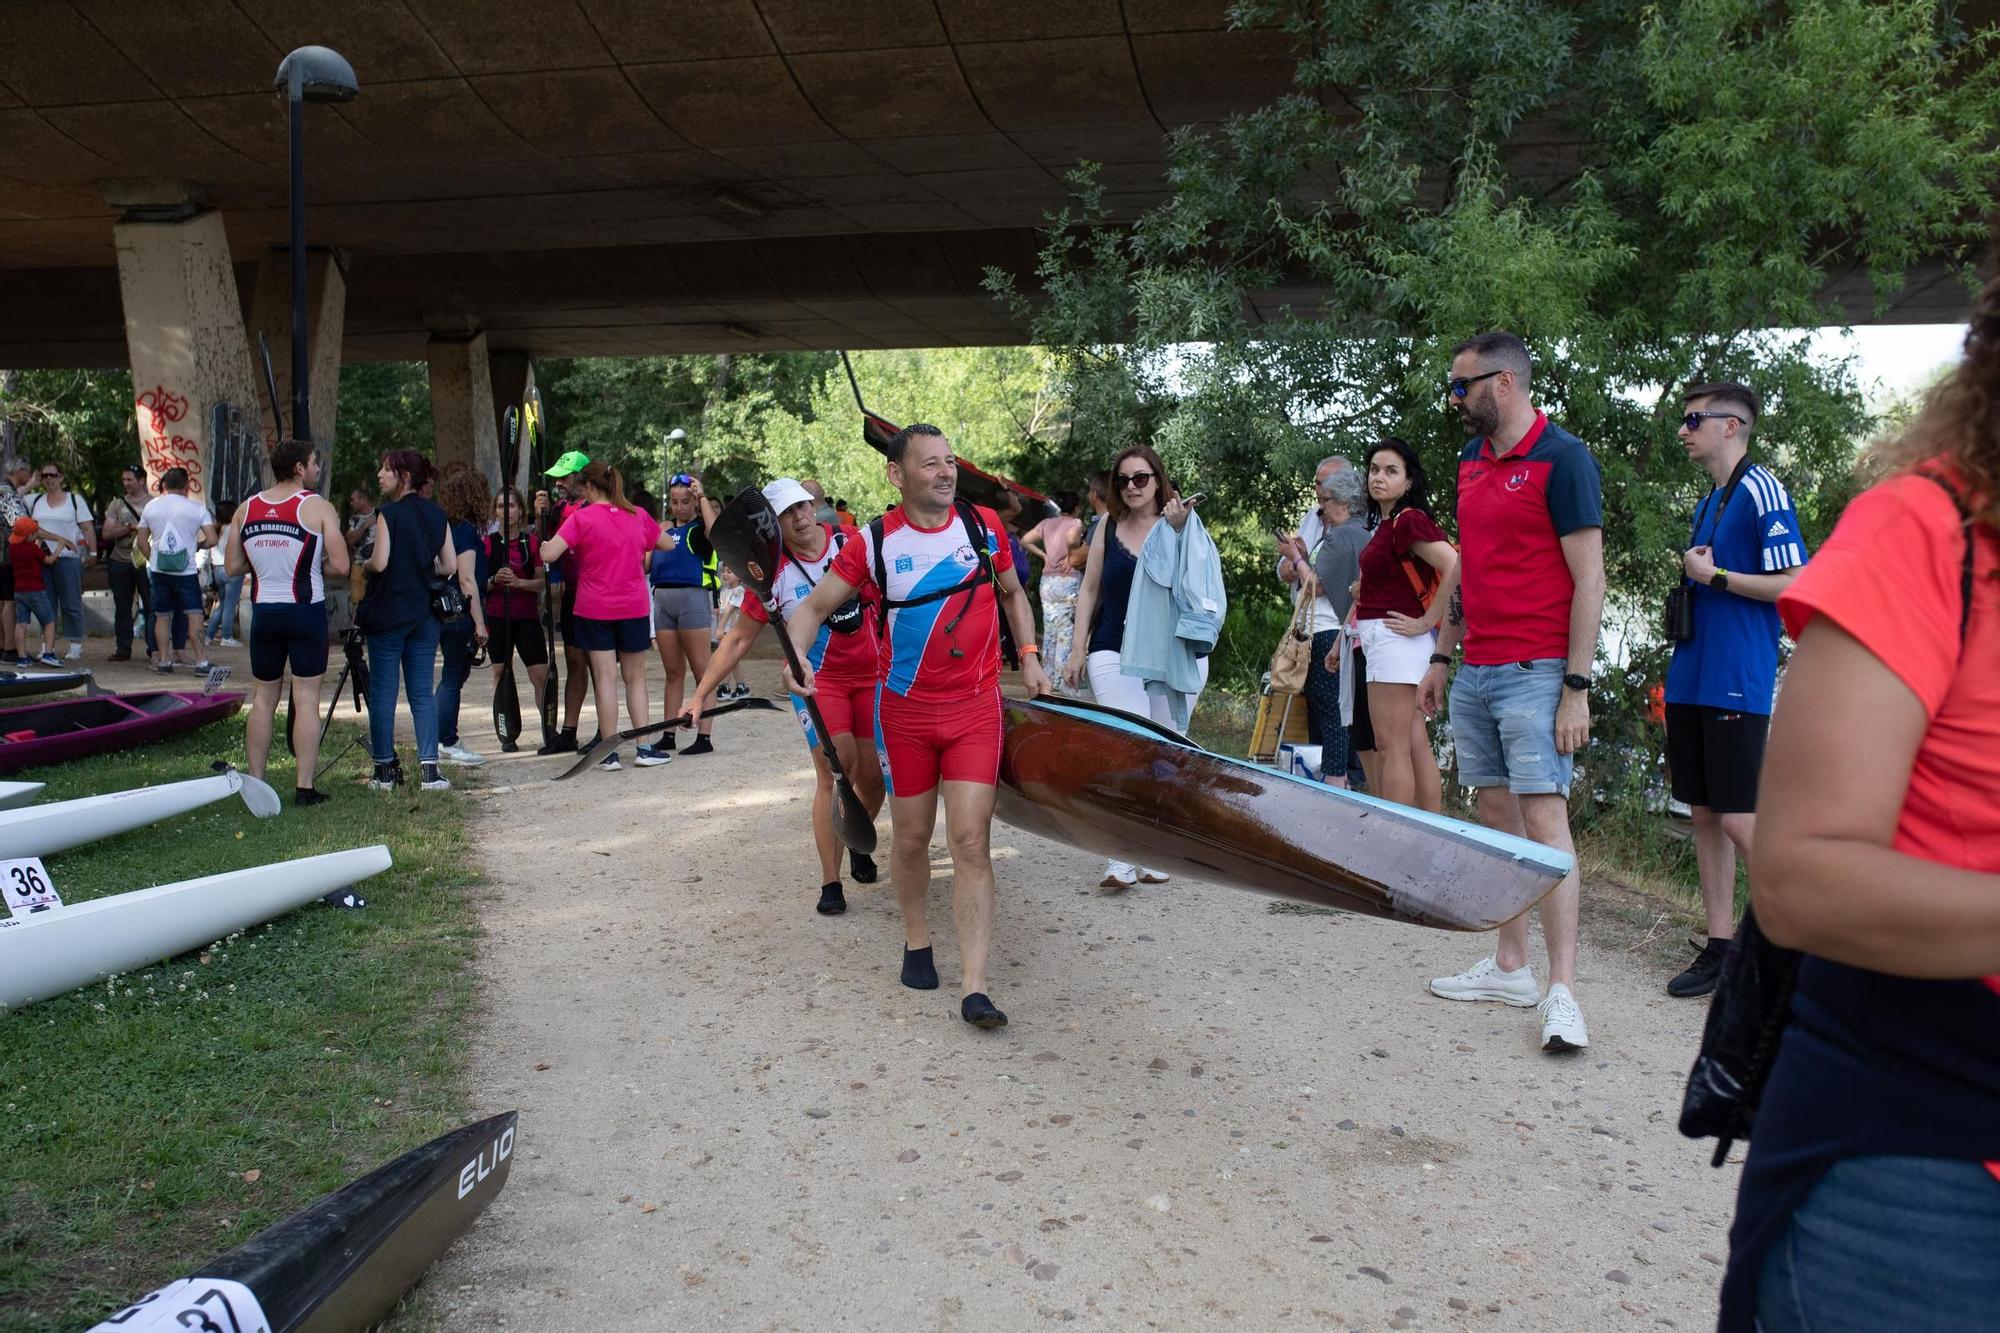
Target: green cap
572,462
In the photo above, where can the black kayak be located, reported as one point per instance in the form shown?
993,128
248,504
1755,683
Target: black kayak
343,1262
21,684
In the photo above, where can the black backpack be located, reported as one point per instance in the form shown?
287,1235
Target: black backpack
975,531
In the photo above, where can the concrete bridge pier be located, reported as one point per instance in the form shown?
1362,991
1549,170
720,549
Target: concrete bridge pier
183,326
326,312
462,415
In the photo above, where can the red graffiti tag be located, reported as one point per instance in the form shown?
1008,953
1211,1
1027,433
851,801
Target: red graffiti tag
160,447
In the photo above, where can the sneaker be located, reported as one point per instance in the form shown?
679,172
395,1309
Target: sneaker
652,756
75,653
432,779
1485,981
1703,973
1562,1021
50,659
1118,877
122,655
564,743
163,668
387,777
1148,875
24,661
458,754
610,764
229,643
204,665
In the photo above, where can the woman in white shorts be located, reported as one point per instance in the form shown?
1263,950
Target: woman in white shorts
1409,562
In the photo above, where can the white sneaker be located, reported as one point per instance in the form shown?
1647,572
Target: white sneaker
230,643
1147,875
75,653
1485,981
1562,1021
458,754
1118,876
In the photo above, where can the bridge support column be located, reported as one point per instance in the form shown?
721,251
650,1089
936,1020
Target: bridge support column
184,332
326,321
513,376
462,429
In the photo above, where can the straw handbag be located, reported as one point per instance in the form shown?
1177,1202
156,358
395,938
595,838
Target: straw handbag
1294,656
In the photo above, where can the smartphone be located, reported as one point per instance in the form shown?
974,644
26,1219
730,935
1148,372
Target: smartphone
1192,500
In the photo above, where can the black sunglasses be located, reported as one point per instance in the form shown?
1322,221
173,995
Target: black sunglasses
1134,478
1693,420
1459,387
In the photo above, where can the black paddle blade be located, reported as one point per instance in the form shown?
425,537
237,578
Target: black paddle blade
851,823
551,691
588,755
292,722
507,708
745,537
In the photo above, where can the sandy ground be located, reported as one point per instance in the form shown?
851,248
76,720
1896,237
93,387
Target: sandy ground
1204,1112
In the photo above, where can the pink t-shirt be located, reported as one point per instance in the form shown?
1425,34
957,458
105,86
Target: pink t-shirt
611,547
1057,534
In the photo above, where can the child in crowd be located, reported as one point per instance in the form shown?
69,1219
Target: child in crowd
28,559
730,610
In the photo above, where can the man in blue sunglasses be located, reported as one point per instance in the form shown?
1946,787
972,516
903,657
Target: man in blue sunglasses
1530,596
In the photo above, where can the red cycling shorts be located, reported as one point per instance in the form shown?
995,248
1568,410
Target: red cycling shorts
923,743
847,705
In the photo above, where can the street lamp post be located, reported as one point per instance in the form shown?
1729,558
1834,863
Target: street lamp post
309,74
674,437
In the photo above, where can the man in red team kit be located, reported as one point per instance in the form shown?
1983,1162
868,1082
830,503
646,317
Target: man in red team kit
940,567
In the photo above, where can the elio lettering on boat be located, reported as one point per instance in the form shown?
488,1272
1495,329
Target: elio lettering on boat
479,1167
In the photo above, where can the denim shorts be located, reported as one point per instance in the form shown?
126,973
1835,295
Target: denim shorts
175,592
1503,727
36,604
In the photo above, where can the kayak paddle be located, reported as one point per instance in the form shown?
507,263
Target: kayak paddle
745,537
551,684
593,752
506,698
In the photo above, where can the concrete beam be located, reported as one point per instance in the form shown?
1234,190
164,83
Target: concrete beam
184,334
326,318
462,423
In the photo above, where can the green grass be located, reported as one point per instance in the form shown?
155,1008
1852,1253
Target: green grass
307,1050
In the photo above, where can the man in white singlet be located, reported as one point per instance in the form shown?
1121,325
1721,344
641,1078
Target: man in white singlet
280,537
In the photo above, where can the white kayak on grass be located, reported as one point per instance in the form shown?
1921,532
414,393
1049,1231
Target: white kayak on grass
43,830
16,794
51,952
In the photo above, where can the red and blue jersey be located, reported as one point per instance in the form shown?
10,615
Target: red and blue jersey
1513,512
846,657
947,649
1731,663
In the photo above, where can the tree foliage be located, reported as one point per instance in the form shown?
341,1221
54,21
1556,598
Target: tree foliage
1650,196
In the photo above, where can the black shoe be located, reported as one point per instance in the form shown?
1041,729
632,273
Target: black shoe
666,742
862,867
304,796
979,1011
564,743
122,655
919,970
387,777
508,747
1703,973
345,898
832,902
701,746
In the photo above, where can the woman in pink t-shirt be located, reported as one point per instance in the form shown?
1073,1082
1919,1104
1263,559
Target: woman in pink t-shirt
1054,541
612,542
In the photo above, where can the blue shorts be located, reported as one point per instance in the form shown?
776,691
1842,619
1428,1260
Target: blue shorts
286,632
631,635
1503,727
36,604
175,592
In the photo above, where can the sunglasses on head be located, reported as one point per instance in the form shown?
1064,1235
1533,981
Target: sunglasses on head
1693,420
1461,386
1133,479
681,479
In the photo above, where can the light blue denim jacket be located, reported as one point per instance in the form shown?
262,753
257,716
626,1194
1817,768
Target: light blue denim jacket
1175,613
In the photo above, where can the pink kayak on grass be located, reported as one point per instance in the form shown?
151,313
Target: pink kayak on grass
51,733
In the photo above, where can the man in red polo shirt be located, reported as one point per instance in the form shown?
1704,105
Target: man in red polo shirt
1531,547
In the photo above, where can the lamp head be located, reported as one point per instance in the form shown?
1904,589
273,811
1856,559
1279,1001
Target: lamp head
677,434
317,74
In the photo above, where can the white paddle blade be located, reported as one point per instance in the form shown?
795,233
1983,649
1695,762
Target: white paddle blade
258,798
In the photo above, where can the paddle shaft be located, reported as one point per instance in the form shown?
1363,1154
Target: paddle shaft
855,815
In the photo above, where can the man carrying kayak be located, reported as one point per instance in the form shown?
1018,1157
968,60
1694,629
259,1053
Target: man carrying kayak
940,568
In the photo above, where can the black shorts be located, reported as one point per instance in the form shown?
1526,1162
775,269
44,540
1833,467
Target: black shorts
631,635
1360,732
6,582
522,638
566,617
285,632
1714,756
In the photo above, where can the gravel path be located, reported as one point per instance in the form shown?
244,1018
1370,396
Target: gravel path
1205,1111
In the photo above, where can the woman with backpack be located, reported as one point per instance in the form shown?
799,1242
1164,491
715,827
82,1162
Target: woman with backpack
1871,1195
1409,570
412,550
466,501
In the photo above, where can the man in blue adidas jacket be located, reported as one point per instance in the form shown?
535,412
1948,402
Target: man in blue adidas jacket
1743,550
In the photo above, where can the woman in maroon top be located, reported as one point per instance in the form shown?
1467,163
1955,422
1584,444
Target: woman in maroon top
513,597
1408,560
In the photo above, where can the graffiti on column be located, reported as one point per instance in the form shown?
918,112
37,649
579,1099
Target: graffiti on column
160,445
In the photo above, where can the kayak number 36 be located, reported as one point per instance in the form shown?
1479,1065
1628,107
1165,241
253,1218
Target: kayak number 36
204,1304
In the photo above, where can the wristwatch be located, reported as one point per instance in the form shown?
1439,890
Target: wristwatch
1581,684
1440,659
1719,580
